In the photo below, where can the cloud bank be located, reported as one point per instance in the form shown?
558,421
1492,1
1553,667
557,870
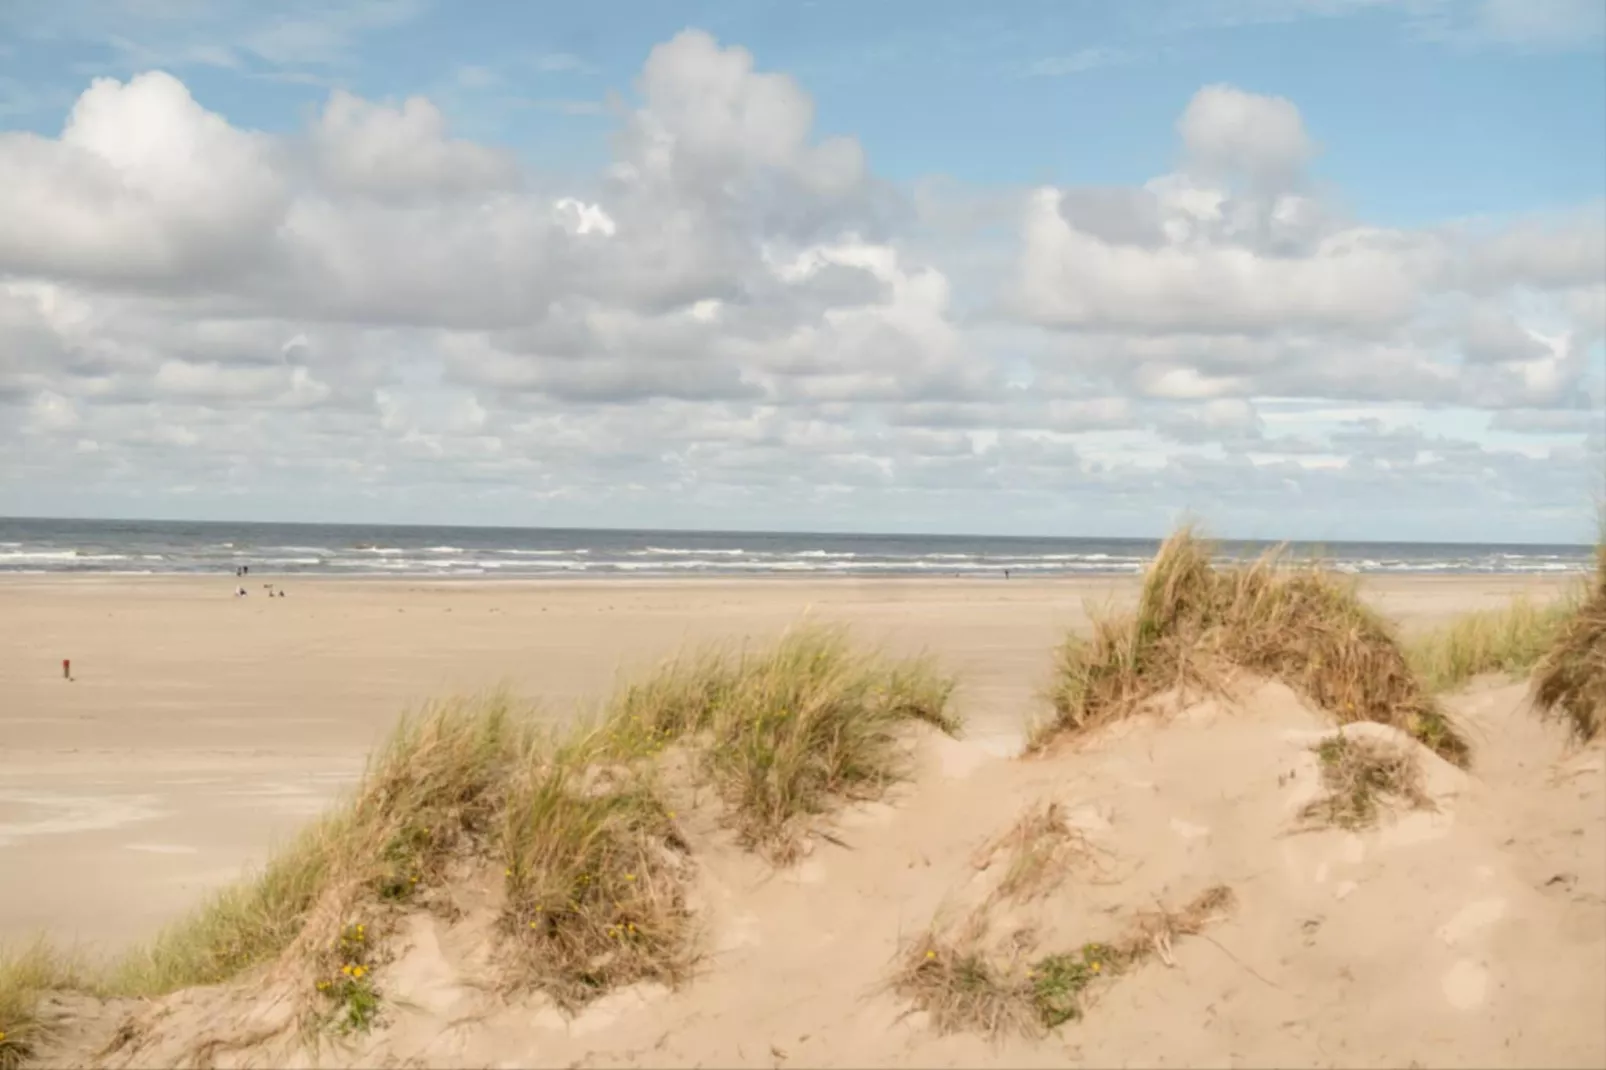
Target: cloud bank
737,323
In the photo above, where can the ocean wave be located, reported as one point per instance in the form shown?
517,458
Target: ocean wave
540,553
58,555
672,551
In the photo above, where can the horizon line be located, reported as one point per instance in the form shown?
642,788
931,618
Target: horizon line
783,531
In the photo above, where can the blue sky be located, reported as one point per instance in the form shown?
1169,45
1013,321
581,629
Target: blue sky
1459,143
1417,125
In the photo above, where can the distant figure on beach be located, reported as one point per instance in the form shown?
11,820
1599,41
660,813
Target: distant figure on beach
1006,574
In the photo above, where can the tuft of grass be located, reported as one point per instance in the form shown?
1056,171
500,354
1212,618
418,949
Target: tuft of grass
595,882
1507,640
1570,679
1304,626
788,730
962,989
26,974
1358,773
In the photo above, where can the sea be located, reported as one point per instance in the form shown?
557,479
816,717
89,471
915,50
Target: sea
148,547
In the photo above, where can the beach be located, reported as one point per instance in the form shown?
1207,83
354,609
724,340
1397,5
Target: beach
202,728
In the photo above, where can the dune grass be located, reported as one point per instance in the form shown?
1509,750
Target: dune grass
784,731
962,988
27,973
1509,640
594,866
595,881
430,791
1304,626
1570,678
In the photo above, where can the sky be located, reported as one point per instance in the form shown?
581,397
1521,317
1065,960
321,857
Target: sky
1309,269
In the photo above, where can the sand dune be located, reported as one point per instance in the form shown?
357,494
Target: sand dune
1470,930
1416,943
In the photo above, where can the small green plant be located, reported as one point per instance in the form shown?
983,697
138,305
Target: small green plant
1059,980
353,1001
957,984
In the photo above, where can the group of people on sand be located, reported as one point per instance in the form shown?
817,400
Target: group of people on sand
240,572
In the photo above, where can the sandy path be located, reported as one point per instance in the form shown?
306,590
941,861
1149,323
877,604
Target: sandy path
201,727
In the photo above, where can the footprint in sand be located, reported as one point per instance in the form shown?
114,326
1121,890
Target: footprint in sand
1466,985
1472,917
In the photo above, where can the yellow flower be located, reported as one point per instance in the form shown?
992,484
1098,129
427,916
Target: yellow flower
2,1036
507,872
931,954
532,925
358,971
630,876
1097,967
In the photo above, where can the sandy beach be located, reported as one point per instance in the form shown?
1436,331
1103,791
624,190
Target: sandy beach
201,728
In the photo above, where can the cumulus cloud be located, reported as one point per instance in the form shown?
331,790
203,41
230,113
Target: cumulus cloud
737,321
143,185
1232,133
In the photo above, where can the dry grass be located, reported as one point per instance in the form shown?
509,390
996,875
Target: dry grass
962,989
1038,850
787,731
1304,626
1360,775
26,975
1570,679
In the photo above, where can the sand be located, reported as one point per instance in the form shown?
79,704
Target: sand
201,728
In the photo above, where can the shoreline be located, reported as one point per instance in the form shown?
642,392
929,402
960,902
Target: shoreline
719,578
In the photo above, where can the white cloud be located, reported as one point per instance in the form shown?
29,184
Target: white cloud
1228,132
402,150
143,184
